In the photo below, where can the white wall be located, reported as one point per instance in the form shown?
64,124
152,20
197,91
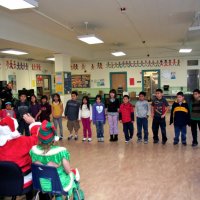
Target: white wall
24,78
135,72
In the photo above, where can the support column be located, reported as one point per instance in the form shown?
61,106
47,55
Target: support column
62,70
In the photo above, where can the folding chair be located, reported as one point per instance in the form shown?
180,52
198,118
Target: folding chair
12,180
49,173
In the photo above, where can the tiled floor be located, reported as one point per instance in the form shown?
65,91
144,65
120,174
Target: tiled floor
115,171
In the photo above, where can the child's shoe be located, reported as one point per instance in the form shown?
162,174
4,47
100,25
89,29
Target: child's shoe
89,139
194,144
175,143
61,137
102,139
115,138
76,137
84,139
111,138
70,137
139,140
146,142
184,144
127,141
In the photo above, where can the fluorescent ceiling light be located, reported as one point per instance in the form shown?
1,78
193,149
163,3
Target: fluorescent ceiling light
18,4
51,59
90,39
185,50
13,52
194,28
118,53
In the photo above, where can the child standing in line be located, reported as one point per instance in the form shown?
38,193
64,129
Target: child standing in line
98,117
34,106
180,117
8,111
142,111
45,109
195,115
159,108
112,108
85,115
57,110
126,116
22,107
71,114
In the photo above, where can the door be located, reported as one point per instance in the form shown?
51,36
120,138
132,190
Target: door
118,81
150,82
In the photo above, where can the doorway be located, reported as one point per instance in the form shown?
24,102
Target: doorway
118,81
150,82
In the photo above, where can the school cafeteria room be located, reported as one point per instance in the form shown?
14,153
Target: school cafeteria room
100,99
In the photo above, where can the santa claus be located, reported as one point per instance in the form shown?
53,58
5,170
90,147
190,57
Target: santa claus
15,147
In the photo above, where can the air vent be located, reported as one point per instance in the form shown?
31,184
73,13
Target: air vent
192,63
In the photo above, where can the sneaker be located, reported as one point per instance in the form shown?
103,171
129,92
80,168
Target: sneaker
156,141
194,144
146,142
131,138
102,139
70,137
139,140
76,137
184,144
89,139
175,143
84,139
61,137
127,141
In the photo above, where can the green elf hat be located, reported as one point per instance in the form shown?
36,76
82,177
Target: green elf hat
47,132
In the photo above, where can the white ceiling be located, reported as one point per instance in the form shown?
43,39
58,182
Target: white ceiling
53,27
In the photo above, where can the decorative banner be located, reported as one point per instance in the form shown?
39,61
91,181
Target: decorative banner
149,63
12,64
82,66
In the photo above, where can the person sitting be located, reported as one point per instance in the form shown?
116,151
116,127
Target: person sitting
47,153
15,148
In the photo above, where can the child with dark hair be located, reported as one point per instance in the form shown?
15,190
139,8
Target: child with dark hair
98,117
8,111
57,110
71,114
126,116
180,117
45,109
195,115
22,107
159,109
85,115
142,111
34,106
112,108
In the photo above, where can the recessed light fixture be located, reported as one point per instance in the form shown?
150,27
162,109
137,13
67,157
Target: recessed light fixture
90,39
18,4
13,52
185,50
118,53
51,59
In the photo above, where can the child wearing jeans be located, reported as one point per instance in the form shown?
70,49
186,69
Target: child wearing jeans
195,116
98,117
159,108
180,117
57,110
112,108
126,116
85,115
71,114
142,111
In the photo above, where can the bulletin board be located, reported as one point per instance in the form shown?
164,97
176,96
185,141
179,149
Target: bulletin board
81,81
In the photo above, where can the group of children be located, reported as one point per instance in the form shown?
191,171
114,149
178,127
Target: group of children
182,115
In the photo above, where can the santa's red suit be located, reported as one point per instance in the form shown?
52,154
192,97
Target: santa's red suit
15,147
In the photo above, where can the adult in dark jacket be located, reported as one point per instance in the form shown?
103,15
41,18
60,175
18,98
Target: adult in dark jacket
6,95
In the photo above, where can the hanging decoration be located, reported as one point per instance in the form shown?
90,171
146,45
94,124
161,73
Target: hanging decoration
13,64
146,63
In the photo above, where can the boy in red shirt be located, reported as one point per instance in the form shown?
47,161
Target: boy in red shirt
126,116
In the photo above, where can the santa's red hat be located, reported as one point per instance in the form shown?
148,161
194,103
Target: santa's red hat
8,130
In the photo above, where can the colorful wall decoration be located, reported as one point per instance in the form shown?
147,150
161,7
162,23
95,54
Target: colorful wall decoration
80,81
13,64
